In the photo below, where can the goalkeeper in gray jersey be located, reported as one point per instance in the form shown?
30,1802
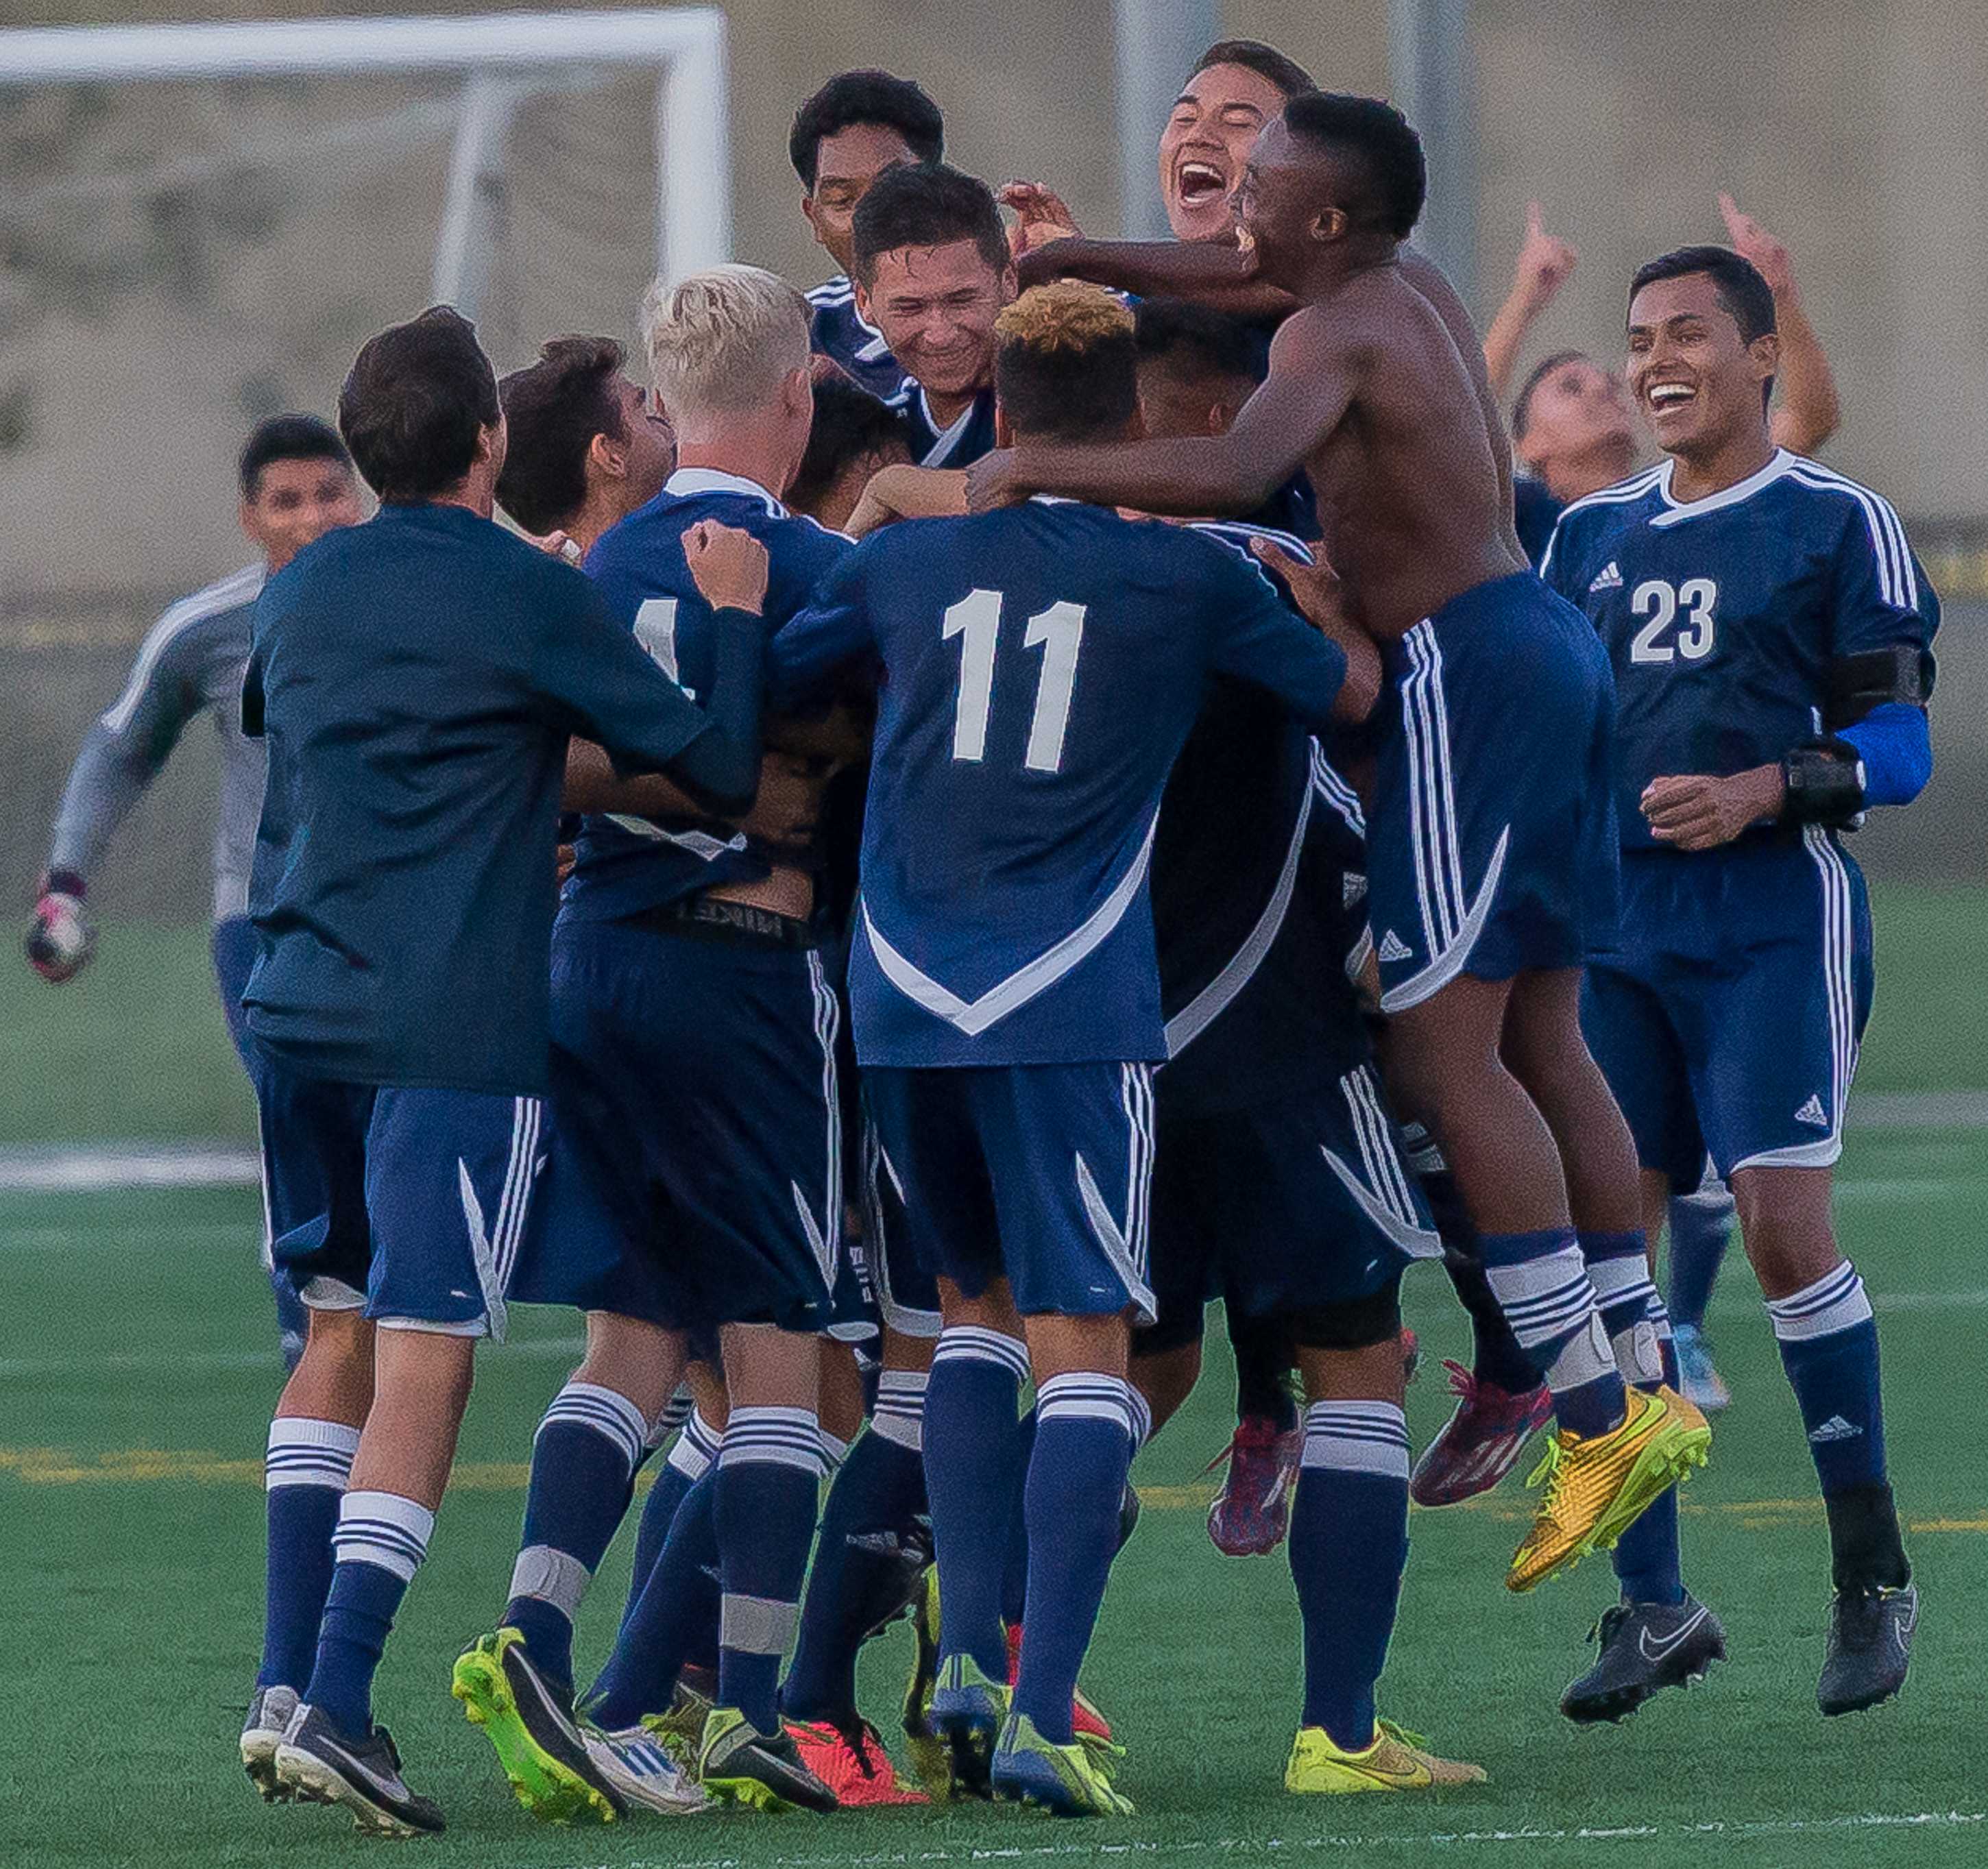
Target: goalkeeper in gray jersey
297,483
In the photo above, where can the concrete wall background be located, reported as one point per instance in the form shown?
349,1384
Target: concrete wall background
136,345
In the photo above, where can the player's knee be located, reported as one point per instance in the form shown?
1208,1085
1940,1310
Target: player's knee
1351,1349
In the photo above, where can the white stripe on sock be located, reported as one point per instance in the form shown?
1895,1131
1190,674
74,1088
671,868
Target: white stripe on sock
1836,1301
551,1576
976,1343
1085,1395
1357,1437
773,1437
382,1529
606,1412
304,1452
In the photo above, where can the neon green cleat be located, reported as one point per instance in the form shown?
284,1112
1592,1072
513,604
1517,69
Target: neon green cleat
1067,1780
740,1765
530,1725
1398,1760
931,1758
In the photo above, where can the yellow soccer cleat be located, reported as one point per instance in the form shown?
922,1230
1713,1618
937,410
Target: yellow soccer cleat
1398,1760
1598,1486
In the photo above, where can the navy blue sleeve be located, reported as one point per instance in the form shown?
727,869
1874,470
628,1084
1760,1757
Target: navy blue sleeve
1879,595
1559,563
833,630
1258,637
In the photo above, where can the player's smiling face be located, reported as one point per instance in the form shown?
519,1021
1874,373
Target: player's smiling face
296,503
1205,144
1698,383
846,165
936,308
1276,205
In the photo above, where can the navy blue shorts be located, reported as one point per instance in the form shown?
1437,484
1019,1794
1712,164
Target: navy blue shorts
234,951
409,1204
896,1265
1286,1207
1492,847
697,1144
1728,1014
1039,1173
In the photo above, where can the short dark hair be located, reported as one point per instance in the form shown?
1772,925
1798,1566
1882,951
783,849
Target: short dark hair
1197,341
1396,180
1522,405
925,204
1266,61
288,437
1741,288
1067,368
413,406
850,424
556,408
850,98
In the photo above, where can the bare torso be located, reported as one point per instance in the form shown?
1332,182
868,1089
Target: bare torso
1412,488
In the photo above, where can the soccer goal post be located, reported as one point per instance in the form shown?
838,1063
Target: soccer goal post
499,58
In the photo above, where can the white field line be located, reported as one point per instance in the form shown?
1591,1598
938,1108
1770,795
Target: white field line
1591,1838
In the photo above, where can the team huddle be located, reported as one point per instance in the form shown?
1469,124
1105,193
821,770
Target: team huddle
1029,789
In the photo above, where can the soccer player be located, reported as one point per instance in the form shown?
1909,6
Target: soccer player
587,447
1770,631
697,1182
930,258
297,484
854,437
1004,993
416,679
1490,850
858,125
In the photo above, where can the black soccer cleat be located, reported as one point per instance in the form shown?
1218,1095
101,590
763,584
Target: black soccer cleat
1870,1647
321,1764
1645,1647
270,1711
740,1764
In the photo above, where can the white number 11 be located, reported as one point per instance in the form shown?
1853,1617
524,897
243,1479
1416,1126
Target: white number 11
1058,631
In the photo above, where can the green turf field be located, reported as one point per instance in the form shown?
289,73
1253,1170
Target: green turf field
136,1375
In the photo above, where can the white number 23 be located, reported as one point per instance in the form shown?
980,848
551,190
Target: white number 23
1663,603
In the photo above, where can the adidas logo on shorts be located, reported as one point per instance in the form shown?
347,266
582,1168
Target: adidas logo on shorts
1609,578
1813,1113
1835,1428
1394,948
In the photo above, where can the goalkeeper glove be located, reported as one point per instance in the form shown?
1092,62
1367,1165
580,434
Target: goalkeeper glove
60,941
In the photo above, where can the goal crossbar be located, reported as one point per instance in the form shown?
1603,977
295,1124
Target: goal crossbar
686,46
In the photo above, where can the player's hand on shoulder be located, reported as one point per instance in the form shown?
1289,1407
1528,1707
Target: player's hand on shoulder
1546,261
1041,217
992,482
904,492
729,566
60,940
1698,813
556,544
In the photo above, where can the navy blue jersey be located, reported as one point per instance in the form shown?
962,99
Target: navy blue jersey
624,866
839,331
416,678
1535,513
961,442
1722,616
1250,906
1042,666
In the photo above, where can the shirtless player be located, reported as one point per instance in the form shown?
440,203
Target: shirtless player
1490,846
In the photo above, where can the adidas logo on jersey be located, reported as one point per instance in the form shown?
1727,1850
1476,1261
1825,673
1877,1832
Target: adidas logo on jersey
1835,1428
1610,578
1813,1113
1352,887
1394,948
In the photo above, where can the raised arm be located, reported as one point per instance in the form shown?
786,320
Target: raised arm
1546,263
1203,271
1313,376
1809,409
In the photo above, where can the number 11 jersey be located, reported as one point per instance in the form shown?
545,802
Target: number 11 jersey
1041,667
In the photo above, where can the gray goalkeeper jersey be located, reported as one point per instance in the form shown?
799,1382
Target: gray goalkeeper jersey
192,663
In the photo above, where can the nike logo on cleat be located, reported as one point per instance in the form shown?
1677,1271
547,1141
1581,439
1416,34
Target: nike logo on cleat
1609,579
1813,1113
1661,1647
1835,1428
1394,948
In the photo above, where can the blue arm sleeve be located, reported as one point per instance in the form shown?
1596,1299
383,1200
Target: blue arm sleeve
1261,638
1896,748
833,630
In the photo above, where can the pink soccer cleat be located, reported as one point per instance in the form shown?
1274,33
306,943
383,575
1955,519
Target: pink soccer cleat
1480,1443
1252,1511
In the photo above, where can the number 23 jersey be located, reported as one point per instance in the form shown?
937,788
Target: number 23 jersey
1040,668
1722,616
